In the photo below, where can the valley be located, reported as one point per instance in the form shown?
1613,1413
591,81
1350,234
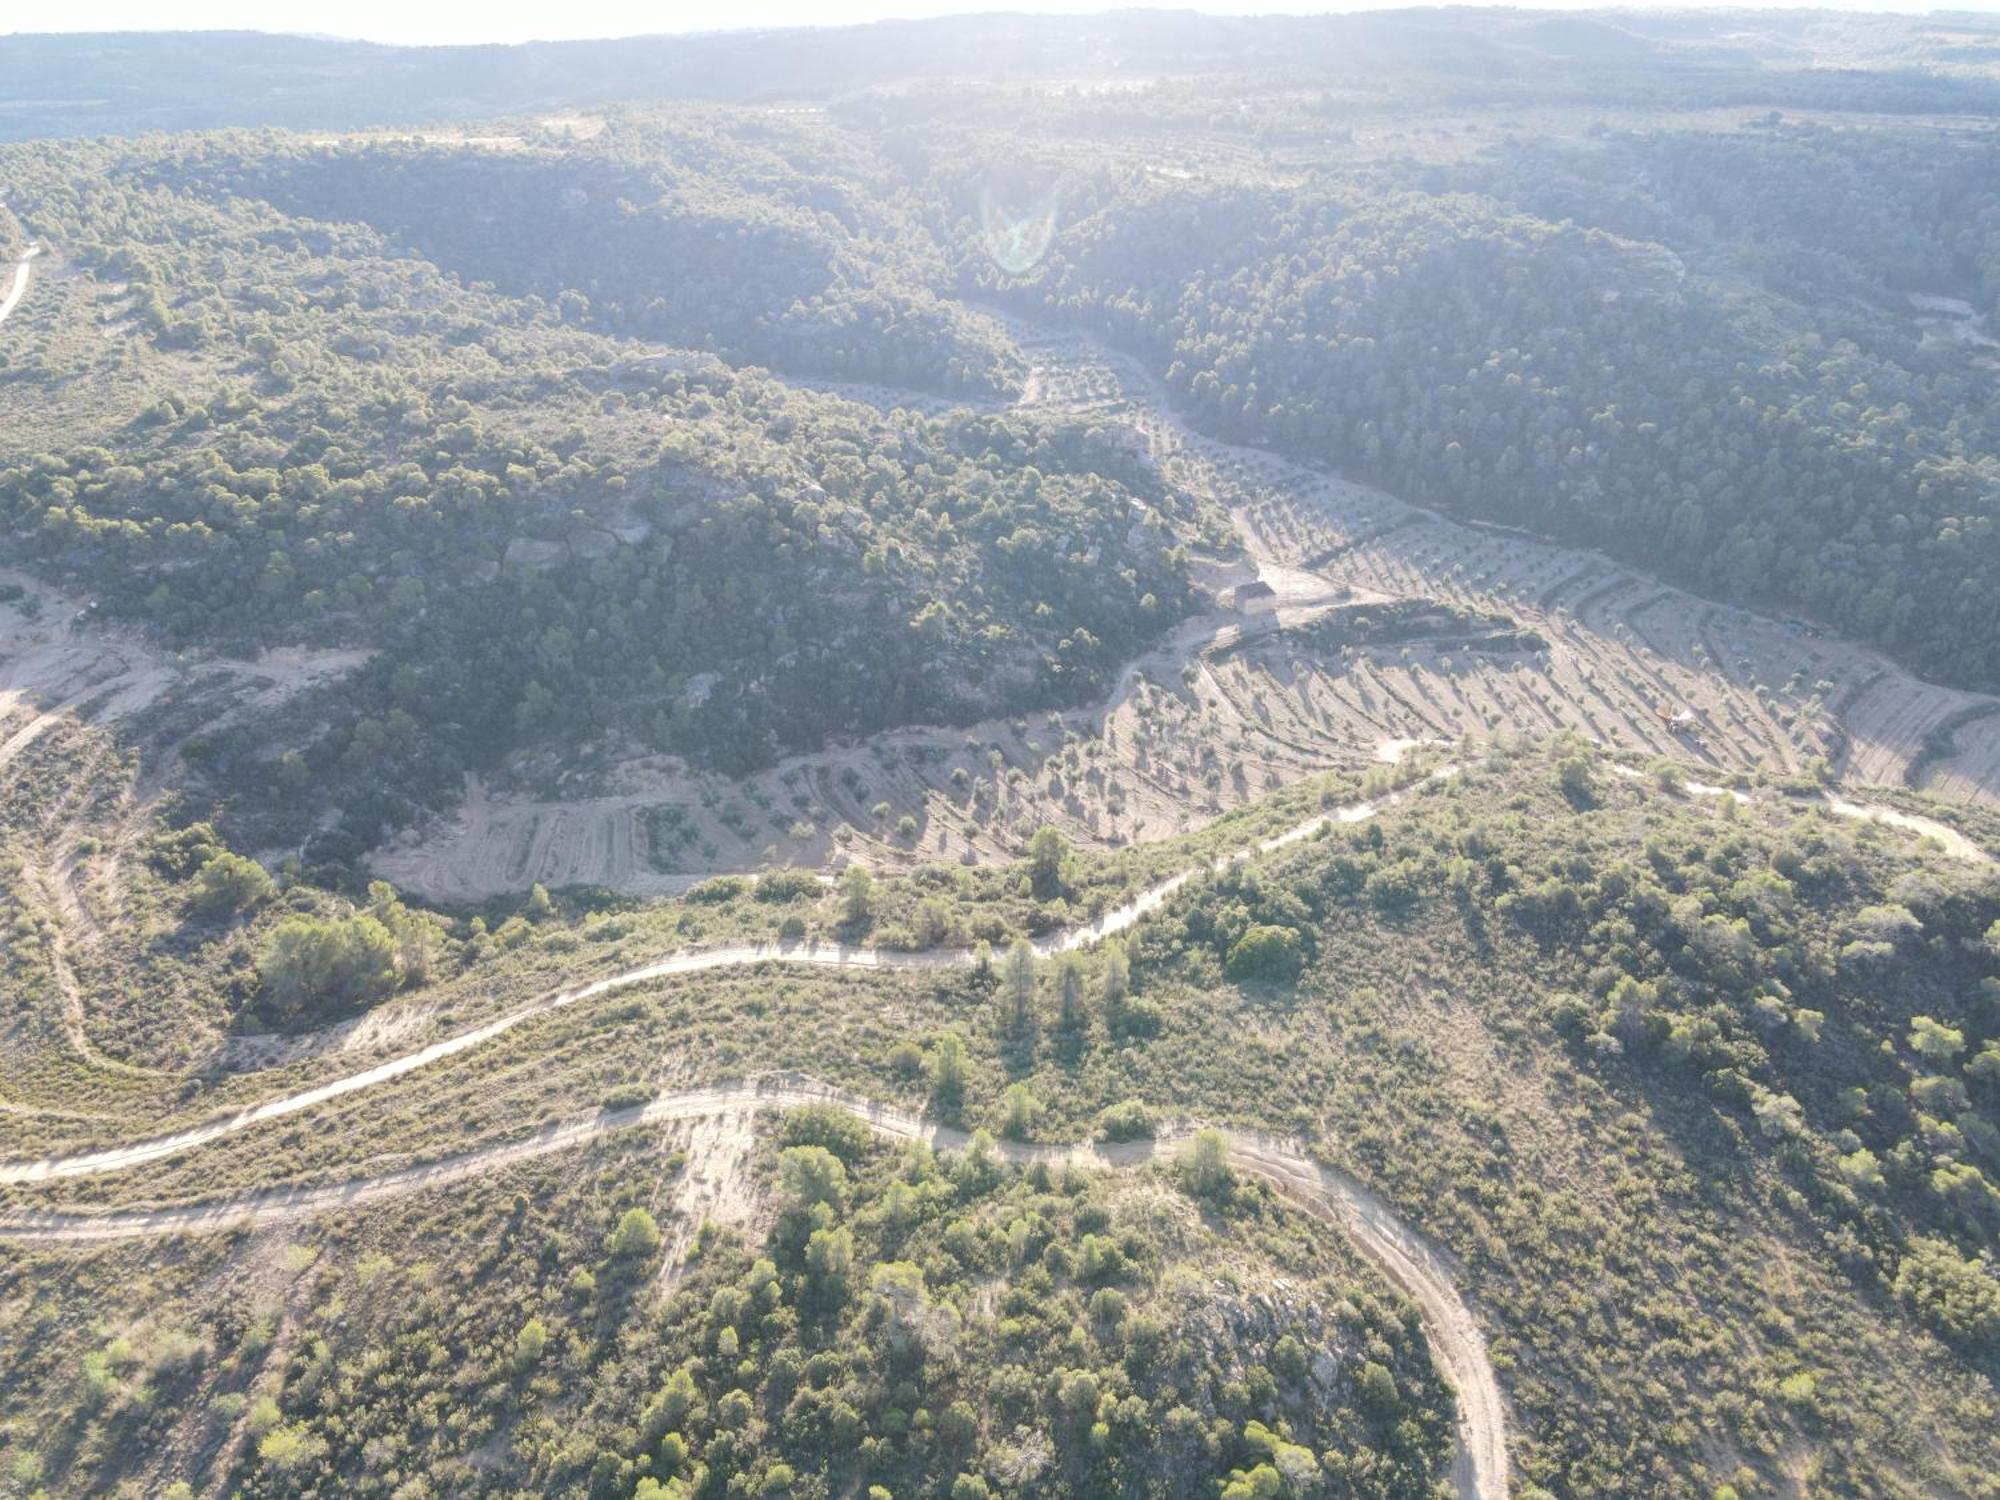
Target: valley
1154,756
1232,705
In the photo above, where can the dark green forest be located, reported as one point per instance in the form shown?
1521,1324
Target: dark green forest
544,533
1691,350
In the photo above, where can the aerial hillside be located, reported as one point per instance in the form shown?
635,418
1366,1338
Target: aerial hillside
945,1322
1691,1095
54,85
249,430
1141,757
765,238
1657,345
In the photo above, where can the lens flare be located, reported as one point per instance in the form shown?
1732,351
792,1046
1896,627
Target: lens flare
1016,223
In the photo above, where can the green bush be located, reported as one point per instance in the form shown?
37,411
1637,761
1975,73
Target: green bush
1266,953
787,884
636,1236
1957,1297
313,966
228,883
1126,1121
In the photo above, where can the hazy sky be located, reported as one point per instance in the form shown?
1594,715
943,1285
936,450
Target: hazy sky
505,21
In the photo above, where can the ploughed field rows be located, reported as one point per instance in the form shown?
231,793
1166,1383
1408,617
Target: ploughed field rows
1164,754
242,1111
1898,725
1625,654
1625,661
1629,662
1596,672
1595,676
1205,721
1968,763
54,666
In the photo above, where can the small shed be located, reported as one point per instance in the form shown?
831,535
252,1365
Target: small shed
1253,598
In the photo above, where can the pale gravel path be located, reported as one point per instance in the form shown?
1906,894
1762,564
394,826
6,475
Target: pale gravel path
1954,843
156,1148
1418,1270
23,272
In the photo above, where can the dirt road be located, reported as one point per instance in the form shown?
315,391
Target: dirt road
1954,843
18,287
826,955
696,961
1403,1255
1947,838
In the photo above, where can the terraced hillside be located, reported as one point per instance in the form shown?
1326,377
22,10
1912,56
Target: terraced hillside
1034,1062
1137,757
1233,704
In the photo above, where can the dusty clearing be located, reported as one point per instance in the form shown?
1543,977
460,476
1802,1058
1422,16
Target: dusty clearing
60,677
714,1169
1234,704
1953,325
54,664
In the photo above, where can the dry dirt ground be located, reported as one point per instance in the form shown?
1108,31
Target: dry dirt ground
53,664
713,1126
57,674
1230,706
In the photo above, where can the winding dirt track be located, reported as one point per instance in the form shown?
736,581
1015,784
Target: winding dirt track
18,288
1954,843
829,955
1948,839
1480,1466
1479,1469
138,1153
